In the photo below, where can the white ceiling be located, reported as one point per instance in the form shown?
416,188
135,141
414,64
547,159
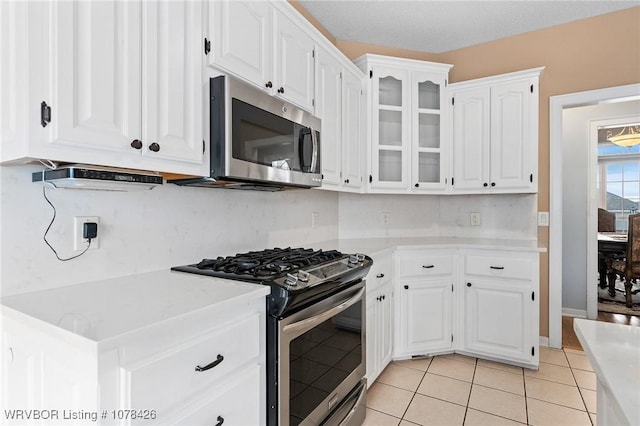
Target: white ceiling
438,26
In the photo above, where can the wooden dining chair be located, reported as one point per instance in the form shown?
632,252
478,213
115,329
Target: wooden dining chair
606,221
629,268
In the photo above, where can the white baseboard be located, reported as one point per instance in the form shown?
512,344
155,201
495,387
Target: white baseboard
576,313
544,341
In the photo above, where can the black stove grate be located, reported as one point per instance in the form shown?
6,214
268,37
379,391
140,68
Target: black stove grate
270,263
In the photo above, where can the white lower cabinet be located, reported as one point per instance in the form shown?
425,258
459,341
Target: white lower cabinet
425,281
425,325
207,367
500,302
229,405
379,331
483,303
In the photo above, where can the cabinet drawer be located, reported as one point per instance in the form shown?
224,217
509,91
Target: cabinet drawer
238,405
499,267
171,377
380,273
418,264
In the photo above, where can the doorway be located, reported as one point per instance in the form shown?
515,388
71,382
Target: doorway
558,104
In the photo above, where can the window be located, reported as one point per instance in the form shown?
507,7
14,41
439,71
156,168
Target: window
619,181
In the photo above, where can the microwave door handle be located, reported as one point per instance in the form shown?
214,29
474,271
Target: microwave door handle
314,156
301,143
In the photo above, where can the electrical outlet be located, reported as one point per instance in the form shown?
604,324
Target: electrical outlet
315,218
475,219
543,218
386,218
80,243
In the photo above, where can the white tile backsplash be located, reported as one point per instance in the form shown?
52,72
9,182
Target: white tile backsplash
506,216
143,231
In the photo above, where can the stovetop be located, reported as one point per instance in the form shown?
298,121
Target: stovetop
297,276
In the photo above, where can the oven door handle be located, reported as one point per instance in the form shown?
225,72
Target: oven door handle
317,319
354,408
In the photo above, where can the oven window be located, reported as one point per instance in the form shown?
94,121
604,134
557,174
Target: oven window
321,359
264,138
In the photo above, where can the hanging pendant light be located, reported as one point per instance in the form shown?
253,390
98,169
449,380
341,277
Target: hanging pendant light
628,136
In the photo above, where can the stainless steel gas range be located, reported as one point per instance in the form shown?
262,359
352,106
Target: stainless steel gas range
315,330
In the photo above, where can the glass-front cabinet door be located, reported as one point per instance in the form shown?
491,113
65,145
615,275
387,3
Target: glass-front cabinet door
428,165
391,128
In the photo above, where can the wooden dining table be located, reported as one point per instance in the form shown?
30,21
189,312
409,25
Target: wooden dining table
611,246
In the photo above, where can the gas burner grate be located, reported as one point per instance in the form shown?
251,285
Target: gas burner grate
270,263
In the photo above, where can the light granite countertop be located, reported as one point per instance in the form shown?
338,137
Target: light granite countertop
614,352
106,309
375,245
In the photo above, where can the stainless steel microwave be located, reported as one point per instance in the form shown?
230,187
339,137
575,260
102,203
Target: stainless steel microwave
258,141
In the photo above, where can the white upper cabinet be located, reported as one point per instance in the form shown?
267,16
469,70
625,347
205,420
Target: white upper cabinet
95,69
14,39
353,122
172,80
390,123
294,62
263,45
339,104
242,40
495,133
429,147
471,135
408,149
115,84
514,145
328,98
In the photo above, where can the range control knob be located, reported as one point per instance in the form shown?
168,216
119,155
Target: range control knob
354,259
303,276
291,280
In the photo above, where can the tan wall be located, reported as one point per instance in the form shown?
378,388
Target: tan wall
593,53
353,50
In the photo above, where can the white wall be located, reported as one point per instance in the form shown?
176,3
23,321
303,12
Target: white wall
145,230
575,157
501,216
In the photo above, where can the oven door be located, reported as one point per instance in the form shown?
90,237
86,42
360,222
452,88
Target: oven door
322,362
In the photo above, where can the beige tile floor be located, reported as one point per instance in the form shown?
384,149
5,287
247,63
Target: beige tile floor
460,390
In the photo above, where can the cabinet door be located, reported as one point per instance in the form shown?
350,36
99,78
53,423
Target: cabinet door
14,37
512,148
390,128
237,402
329,110
498,319
172,69
353,121
294,65
242,40
95,73
426,317
428,153
471,134
385,327
379,331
